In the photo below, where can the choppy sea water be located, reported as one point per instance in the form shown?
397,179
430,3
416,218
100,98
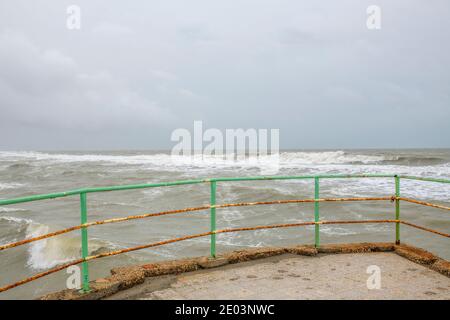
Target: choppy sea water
26,173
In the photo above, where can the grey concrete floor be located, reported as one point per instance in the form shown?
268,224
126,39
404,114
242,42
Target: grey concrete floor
334,276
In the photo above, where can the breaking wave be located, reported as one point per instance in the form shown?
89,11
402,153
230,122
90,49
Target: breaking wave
289,158
47,253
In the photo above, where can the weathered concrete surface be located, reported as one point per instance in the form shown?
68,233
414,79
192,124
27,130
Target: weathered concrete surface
300,277
139,281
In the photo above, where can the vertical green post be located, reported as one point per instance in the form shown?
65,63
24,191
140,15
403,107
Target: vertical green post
316,212
397,209
213,218
84,243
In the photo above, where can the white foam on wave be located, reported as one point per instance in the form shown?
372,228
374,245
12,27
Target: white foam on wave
153,192
48,253
69,158
154,162
44,253
337,231
10,185
14,219
7,209
315,162
331,157
290,163
230,216
297,158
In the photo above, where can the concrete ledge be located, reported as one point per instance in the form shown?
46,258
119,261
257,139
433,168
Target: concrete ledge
252,254
171,267
127,277
303,250
123,278
441,266
356,247
415,254
207,263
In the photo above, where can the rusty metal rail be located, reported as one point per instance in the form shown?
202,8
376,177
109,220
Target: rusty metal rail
425,229
160,243
424,203
212,207
205,207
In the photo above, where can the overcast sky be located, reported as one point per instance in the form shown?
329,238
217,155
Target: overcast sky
138,70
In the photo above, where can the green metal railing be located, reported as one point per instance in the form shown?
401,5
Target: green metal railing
82,193
397,209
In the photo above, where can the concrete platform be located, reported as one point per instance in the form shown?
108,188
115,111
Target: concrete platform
288,276
332,271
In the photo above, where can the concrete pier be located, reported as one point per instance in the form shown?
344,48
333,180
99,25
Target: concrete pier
300,277
333,272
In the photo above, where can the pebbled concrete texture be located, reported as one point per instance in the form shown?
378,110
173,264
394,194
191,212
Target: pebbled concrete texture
288,276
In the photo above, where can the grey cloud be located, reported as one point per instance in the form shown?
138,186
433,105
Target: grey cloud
309,68
295,36
48,88
111,30
195,33
164,75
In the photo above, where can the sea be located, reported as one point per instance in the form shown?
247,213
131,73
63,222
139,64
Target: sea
25,173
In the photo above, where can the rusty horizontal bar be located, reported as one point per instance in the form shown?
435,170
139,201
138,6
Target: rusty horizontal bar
89,224
59,268
425,229
160,243
41,237
303,201
40,275
205,207
359,221
287,225
213,232
424,203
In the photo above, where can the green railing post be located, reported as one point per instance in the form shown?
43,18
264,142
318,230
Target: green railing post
84,243
213,218
397,209
316,212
